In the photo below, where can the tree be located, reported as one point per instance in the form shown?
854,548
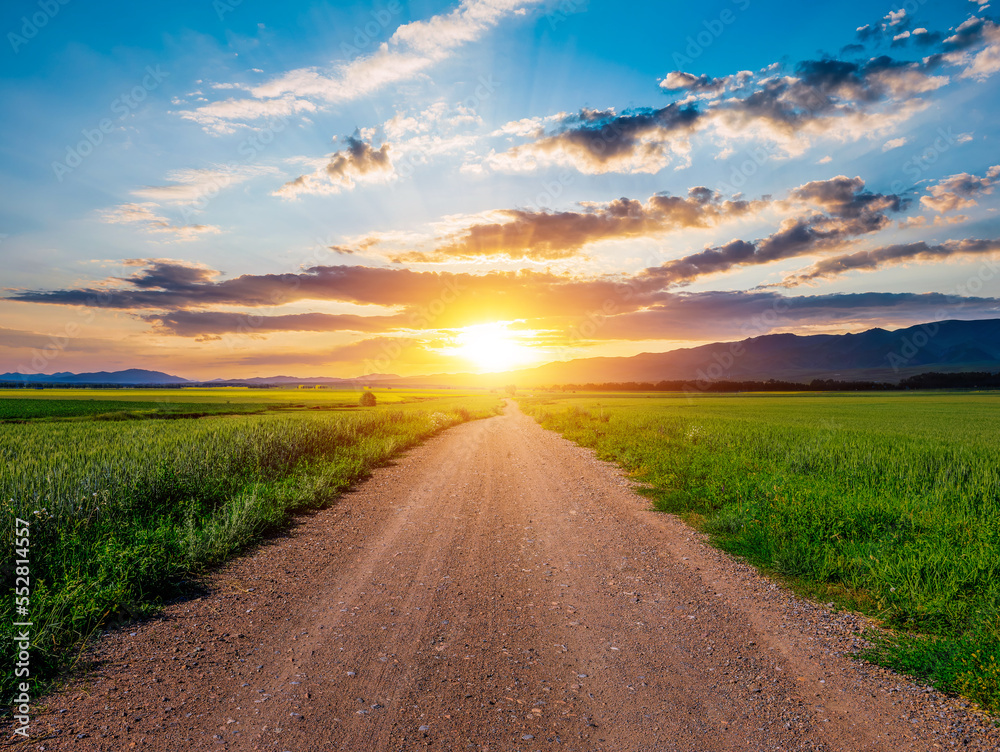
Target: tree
367,399
511,389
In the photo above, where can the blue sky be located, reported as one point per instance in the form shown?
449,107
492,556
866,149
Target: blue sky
241,188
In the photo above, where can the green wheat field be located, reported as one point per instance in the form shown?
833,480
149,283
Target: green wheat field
131,494
887,504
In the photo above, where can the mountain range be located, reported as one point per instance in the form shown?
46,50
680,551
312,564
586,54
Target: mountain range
875,354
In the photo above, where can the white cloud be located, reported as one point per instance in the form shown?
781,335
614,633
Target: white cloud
228,115
410,51
894,143
189,185
147,220
895,16
980,64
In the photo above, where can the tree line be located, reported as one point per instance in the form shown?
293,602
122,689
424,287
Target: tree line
931,380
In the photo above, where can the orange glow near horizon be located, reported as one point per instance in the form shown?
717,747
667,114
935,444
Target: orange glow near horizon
493,347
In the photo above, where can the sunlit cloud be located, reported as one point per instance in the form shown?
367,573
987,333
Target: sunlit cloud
144,217
412,50
358,162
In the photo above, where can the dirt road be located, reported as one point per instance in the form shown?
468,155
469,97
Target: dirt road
496,589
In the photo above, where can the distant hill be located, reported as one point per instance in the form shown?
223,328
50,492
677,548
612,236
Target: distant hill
130,376
876,354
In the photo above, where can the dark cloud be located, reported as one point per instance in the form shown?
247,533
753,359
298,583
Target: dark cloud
171,285
848,210
928,39
217,323
438,298
604,141
968,34
816,96
543,235
359,158
877,258
358,162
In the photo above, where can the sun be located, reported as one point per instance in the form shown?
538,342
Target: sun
492,347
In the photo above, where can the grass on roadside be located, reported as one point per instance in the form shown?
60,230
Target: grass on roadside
123,514
885,503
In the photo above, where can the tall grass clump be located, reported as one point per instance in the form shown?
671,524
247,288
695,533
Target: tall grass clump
122,514
885,503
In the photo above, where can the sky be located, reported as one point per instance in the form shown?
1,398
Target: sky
236,188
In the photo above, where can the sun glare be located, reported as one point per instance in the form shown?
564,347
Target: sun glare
492,347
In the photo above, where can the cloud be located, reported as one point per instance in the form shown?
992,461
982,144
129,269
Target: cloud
601,141
212,324
682,81
411,50
544,235
359,162
828,98
189,186
894,143
847,211
228,115
959,191
891,255
980,63
895,17
143,216
161,284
